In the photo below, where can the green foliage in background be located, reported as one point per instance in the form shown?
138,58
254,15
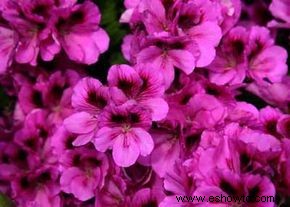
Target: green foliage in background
5,202
111,11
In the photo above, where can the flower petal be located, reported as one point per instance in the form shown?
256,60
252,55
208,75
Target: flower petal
183,60
125,150
158,106
145,141
83,139
80,123
104,138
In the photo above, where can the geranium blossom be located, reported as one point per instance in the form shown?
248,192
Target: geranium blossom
123,130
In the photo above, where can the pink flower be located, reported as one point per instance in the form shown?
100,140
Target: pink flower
89,98
248,53
84,170
61,141
142,86
35,132
52,93
262,142
198,19
42,28
166,53
14,157
248,158
78,31
33,23
57,90
229,65
266,60
170,39
124,130
30,97
37,188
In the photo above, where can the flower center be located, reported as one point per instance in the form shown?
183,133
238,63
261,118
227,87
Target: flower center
126,128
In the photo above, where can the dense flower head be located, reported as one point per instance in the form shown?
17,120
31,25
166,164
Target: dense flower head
41,29
197,107
172,34
248,54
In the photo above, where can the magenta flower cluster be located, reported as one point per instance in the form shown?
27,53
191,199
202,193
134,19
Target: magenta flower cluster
173,121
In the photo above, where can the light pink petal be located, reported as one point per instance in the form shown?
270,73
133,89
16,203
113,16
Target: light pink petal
154,16
126,16
158,106
156,9
102,40
166,68
131,3
280,9
183,60
207,36
49,48
145,141
125,150
85,48
27,52
232,76
105,138
80,123
126,47
83,188
67,177
83,139
164,156
262,142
